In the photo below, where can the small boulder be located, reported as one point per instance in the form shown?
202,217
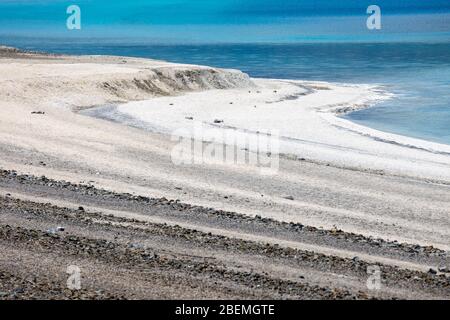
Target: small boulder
432,271
444,270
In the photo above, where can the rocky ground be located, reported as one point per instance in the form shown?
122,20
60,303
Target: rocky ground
134,247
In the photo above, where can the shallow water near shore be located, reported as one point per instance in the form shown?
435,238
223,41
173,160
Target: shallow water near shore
418,73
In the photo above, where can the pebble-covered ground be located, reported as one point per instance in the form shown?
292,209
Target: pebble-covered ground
199,253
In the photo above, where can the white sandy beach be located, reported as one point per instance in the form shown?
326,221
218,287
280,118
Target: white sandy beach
354,178
302,114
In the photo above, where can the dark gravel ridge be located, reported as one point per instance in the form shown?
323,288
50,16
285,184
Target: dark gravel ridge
136,256
141,247
205,240
90,190
13,287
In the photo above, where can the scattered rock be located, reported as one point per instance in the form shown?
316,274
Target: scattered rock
136,246
55,230
432,271
80,209
19,290
443,269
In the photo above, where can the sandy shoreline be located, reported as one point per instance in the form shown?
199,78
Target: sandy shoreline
333,174
303,117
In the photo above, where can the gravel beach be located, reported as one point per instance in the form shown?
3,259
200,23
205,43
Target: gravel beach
129,255
104,196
